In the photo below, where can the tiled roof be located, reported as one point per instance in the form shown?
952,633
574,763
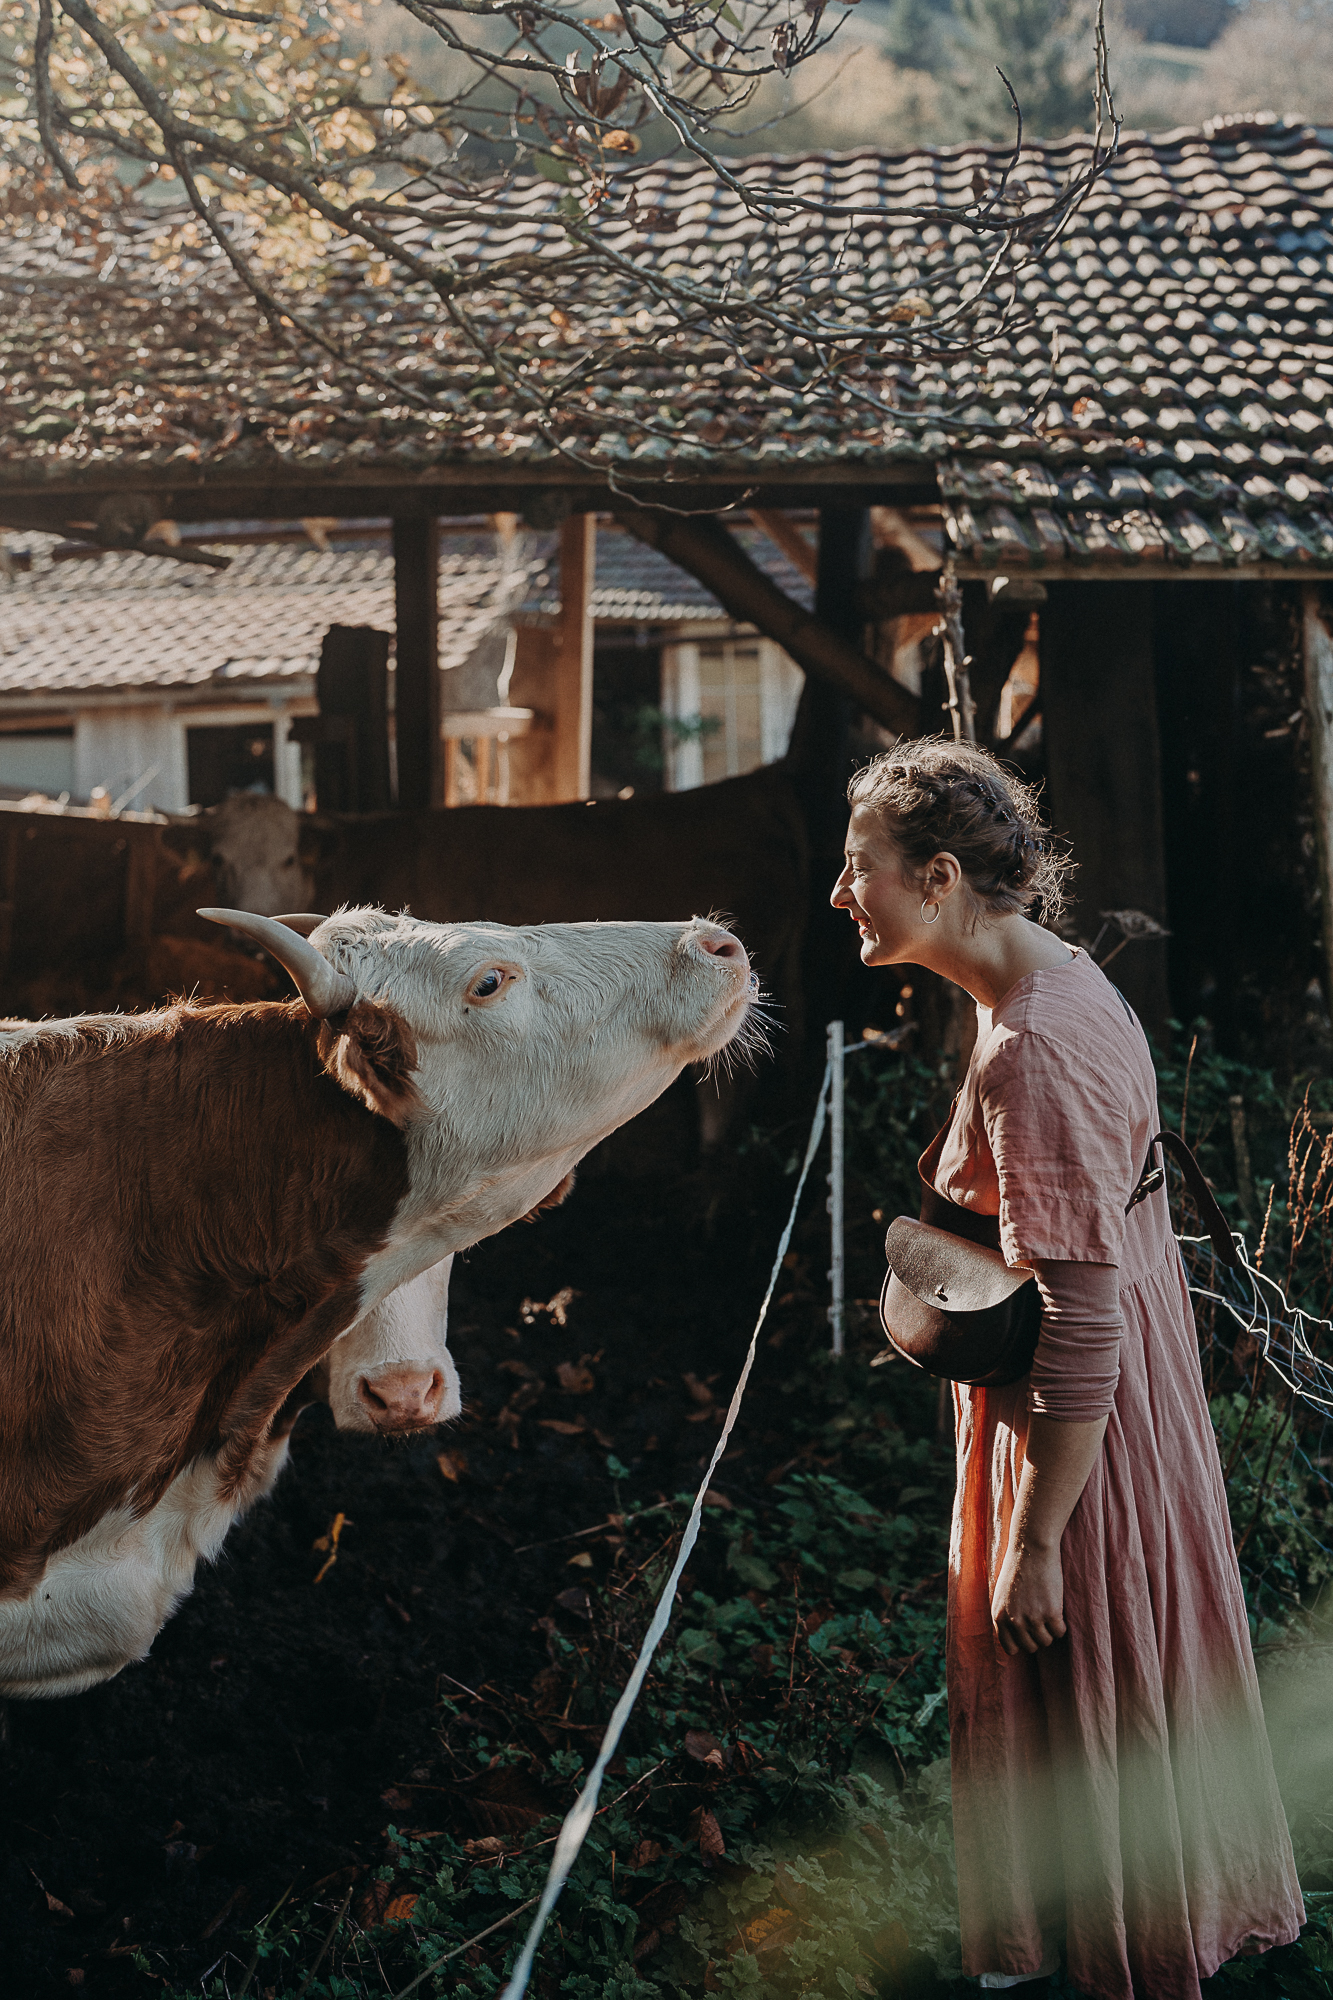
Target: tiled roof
100,625
1179,349
125,621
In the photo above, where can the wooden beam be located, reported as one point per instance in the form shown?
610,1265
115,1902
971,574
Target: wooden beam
1317,646
784,534
570,700
416,566
1103,770
701,545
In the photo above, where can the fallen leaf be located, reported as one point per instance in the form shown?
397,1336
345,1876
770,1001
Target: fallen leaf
581,1561
704,1749
700,1391
490,1843
330,1542
55,1906
771,1930
712,1499
575,1377
562,1428
399,1910
645,1854
793,1893
75,1975
371,1904
576,1600
395,1799
712,1847
453,1464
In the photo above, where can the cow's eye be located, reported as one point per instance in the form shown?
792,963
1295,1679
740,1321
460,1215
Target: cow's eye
488,984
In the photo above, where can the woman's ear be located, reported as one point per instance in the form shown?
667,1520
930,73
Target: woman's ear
943,874
373,1053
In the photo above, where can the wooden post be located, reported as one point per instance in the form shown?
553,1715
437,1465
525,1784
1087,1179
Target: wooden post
1318,651
1103,768
570,700
416,564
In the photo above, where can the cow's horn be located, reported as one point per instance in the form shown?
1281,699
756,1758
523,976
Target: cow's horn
324,989
301,921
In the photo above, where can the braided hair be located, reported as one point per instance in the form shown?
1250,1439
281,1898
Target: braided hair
934,796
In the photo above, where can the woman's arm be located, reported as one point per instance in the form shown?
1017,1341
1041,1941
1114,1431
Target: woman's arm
1070,1396
1027,1609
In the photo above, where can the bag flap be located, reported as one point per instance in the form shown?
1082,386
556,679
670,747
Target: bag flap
948,1272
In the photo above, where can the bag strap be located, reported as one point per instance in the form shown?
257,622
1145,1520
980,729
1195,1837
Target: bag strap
1154,1177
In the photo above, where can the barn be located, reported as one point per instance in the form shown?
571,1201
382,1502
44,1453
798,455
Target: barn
1132,490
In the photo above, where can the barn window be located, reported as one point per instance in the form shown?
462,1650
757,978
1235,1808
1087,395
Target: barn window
727,706
36,760
227,758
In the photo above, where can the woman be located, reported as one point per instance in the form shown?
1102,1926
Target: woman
1112,1784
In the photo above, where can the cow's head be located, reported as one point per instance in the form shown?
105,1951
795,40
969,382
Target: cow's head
393,1373
504,1054
255,844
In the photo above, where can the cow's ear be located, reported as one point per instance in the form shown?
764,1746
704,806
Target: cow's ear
553,1199
373,1052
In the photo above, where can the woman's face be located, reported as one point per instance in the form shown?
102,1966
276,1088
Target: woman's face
873,890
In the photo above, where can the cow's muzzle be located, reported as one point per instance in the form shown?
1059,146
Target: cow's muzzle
403,1398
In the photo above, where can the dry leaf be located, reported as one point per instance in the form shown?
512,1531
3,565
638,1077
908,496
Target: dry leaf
700,1391
712,1847
55,1906
490,1843
581,1561
559,1425
704,1748
575,1377
771,1930
453,1464
400,1909
395,1799
645,1854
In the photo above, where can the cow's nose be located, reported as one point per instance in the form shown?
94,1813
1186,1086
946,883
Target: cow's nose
402,1398
718,943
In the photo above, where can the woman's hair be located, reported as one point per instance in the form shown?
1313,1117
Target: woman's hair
932,796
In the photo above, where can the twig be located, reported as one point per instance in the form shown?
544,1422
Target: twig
304,1987
249,1972
467,1945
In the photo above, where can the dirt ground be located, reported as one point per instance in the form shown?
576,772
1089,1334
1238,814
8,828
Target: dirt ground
253,1750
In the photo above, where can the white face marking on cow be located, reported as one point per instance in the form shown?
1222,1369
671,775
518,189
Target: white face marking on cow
531,1046
255,841
393,1371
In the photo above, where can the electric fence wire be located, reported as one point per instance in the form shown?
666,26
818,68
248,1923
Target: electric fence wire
1265,1314
1260,1308
580,1815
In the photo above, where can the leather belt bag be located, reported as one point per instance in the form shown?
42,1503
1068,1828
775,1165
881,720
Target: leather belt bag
953,1307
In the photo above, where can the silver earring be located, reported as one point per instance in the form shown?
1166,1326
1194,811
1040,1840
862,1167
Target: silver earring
930,920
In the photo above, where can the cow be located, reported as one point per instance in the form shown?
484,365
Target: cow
102,1601
210,1207
739,847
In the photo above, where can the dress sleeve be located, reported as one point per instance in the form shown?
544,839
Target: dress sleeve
1077,1364
1060,1134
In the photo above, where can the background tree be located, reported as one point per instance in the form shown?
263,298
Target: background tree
507,170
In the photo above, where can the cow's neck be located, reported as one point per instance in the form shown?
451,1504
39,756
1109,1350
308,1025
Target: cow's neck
194,1217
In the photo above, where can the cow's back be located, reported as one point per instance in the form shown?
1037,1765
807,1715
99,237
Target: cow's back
189,1201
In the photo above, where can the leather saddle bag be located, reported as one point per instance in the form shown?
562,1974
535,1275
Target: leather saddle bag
954,1308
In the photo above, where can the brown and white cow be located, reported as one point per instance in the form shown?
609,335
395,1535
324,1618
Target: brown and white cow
202,1203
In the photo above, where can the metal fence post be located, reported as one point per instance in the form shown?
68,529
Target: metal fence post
837,1274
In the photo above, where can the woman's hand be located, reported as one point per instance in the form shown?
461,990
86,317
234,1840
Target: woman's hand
1027,1608
1028,1602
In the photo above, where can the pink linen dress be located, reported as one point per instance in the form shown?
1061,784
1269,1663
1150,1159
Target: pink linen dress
1115,1791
